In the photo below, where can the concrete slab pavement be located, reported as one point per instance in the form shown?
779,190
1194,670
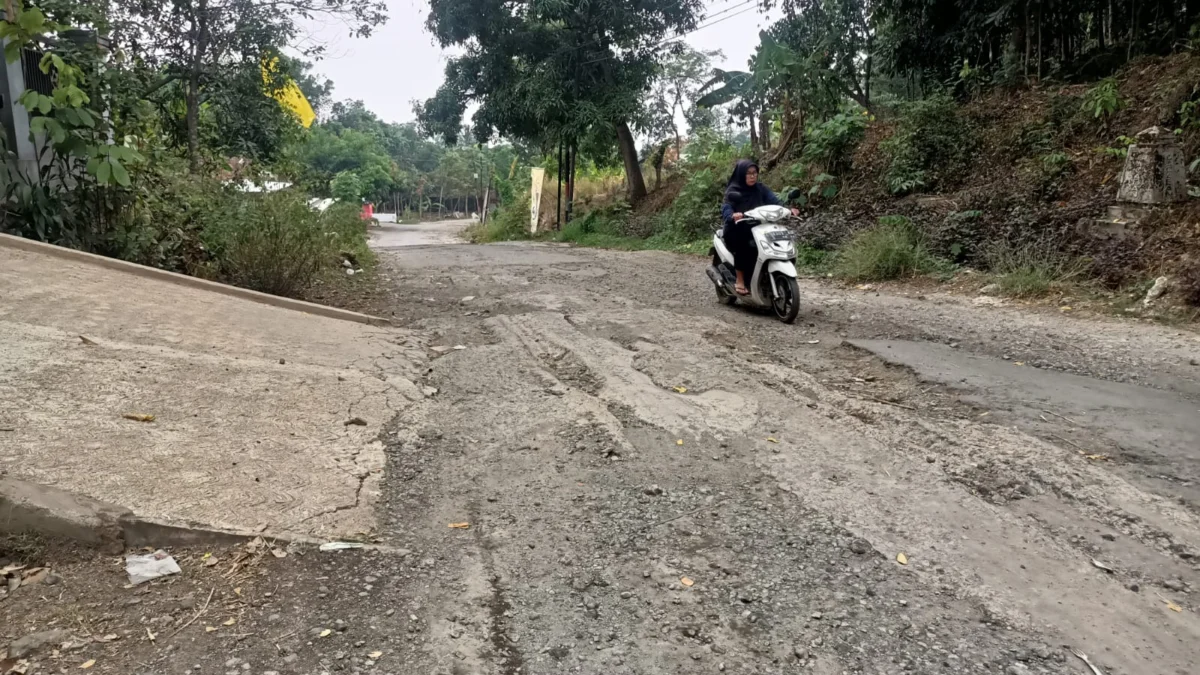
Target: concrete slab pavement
399,235
252,404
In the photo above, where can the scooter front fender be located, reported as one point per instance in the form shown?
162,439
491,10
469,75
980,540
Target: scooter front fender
784,267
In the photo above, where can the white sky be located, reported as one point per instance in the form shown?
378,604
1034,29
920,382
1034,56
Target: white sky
400,63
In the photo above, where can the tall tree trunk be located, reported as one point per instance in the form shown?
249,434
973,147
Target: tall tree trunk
793,124
633,170
192,95
754,147
1025,38
1040,56
764,134
867,64
1132,29
659,156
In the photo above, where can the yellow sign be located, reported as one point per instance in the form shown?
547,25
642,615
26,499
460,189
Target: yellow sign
289,96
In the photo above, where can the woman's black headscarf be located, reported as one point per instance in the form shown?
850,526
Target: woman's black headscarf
738,194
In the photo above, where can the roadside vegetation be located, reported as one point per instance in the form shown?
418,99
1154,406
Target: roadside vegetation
893,249
194,163
996,135
881,115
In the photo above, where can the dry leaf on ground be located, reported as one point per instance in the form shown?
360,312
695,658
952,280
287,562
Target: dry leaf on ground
460,526
138,417
686,582
901,558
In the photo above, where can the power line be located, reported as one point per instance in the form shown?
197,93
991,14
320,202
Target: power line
684,35
736,4
730,8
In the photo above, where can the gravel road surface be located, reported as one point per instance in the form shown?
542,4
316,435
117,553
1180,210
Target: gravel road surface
645,482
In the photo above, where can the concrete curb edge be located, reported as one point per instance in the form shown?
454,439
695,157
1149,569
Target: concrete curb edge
28,508
31,246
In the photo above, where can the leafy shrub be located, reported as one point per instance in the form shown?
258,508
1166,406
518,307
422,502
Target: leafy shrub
162,227
697,208
957,235
1048,134
1037,138
831,143
1032,270
710,148
510,222
1055,164
276,243
1119,151
1189,115
890,250
1103,100
971,80
931,145
603,227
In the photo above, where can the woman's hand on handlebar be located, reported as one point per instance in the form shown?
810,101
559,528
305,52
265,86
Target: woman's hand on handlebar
738,216
795,211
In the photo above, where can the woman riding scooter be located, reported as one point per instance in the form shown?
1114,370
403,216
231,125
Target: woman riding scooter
744,193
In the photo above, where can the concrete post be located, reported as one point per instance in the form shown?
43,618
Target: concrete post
1154,170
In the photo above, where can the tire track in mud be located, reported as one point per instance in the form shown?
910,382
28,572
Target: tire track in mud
597,588
621,545
978,576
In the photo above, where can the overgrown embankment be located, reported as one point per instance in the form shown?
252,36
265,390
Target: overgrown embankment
1012,181
1005,181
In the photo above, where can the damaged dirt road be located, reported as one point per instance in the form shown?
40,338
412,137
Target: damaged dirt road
616,475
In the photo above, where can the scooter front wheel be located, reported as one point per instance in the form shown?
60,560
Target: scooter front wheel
787,303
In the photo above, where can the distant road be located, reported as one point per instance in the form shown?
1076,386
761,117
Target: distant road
395,235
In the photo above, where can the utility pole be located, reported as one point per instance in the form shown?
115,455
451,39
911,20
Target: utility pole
558,200
572,155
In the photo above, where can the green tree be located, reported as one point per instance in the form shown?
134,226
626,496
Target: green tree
197,44
673,92
543,71
327,152
837,36
346,187
71,136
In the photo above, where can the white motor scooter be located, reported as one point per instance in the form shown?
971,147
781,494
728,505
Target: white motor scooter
773,283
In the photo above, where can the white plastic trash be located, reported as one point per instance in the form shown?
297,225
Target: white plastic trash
143,568
340,546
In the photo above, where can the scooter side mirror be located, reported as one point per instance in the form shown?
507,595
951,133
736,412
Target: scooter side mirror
793,195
